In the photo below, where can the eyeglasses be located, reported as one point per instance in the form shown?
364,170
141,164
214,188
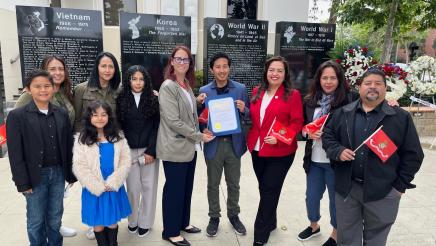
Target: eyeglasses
181,60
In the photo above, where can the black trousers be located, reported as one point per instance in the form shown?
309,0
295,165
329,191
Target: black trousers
176,197
271,173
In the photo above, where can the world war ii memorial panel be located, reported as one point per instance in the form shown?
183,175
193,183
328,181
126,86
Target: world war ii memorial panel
305,46
148,40
245,41
75,35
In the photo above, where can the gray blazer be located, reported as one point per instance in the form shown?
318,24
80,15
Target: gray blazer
178,127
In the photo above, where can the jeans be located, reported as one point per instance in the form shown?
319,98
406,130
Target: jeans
319,176
45,208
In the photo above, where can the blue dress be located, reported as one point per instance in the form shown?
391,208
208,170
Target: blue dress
110,207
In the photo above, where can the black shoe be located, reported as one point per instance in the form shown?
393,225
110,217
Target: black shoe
101,238
132,230
308,233
330,242
184,242
212,228
258,243
237,225
143,232
192,230
112,236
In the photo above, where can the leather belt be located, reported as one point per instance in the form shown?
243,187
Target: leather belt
225,139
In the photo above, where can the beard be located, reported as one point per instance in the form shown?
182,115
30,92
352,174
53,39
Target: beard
373,97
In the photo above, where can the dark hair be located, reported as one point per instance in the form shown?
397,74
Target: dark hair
66,86
218,56
373,71
88,135
315,89
94,80
169,69
148,105
264,83
37,73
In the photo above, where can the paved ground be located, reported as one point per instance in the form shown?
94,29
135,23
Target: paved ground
416,223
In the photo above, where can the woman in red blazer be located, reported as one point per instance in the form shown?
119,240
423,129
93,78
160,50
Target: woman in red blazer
273,100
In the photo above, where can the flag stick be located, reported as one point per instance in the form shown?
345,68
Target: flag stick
322,127
370,136
269,131
323,124
207,125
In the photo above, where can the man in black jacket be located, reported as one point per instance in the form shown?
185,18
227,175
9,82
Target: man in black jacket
40,154
368,191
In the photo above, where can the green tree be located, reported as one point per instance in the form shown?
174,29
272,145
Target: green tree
357,34
334,11
390,15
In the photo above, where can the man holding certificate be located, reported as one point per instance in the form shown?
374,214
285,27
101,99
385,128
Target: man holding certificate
227,101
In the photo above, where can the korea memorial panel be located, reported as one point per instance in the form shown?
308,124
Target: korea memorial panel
74,34
245,41
305,46
149,39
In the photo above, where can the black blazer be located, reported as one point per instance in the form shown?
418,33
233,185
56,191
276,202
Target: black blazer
308,112
26,149
139,132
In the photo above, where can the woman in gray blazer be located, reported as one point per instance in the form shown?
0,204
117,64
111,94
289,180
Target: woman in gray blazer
178,140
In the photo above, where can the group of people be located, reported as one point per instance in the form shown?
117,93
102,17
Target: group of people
122,131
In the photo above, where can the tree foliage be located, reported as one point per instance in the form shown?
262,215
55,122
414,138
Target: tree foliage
395,17
417,14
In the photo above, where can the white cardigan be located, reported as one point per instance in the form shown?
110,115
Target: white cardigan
86,166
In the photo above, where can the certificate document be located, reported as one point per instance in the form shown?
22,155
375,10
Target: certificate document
223,115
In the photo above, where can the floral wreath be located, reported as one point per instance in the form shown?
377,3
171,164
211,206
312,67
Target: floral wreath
396,80
423,75
355,62
358,59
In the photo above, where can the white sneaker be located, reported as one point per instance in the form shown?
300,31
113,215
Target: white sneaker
67,232
90,233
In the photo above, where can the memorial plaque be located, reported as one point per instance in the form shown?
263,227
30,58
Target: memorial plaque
245,41
305,47
148,40
75,35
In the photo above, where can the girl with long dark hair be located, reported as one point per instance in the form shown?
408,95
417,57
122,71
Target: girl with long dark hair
138,115
101,163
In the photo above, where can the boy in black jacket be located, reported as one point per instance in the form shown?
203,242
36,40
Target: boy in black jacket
40,154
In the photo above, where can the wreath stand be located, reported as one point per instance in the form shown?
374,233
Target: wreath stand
417,115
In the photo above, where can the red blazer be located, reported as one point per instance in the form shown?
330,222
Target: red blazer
289,113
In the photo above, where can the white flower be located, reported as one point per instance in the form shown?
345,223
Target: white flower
355,64
423,75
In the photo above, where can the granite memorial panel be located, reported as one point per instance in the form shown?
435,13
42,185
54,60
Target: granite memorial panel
245,41
148,40
305,46
75,35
